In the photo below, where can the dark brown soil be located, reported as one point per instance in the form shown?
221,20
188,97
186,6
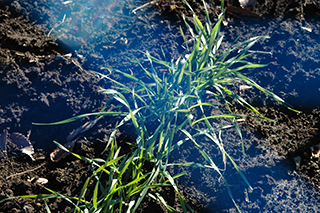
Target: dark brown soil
40,82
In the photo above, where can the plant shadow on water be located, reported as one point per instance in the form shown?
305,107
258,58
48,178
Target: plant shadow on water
276,186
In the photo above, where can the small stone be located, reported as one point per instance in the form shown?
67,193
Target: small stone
42,181
23,144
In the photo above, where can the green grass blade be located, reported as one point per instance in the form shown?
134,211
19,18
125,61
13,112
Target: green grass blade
229,116
83,190
274,96
42,196
65,198
183,203
46,207
95,195
83,116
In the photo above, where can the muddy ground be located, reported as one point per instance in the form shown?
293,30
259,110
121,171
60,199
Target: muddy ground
41,82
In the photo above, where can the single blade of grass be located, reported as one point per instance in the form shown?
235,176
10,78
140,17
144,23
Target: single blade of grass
229,116
277,98
42,196
95,195
83,116
46,207
65,198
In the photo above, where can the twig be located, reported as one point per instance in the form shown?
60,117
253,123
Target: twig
21,173
138,8
57,25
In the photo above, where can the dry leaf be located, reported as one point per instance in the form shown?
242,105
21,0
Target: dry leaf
23,143
85,127
59,154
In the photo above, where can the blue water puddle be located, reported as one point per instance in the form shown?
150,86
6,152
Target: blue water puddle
293,57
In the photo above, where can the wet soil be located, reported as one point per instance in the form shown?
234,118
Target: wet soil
41,82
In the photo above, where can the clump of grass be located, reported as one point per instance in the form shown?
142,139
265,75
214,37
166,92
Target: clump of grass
168,100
